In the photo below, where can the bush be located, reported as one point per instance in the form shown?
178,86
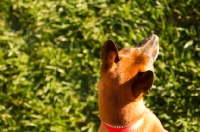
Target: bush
49,60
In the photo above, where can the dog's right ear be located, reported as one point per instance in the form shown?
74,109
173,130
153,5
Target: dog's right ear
109,54
143,82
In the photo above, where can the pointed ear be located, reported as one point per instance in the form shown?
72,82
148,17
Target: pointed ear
143,82
109,54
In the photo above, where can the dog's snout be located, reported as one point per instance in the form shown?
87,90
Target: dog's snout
150,46
152,39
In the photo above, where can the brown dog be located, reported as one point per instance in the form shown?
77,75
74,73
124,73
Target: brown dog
126,75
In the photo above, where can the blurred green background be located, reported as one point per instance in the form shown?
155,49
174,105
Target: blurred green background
49,60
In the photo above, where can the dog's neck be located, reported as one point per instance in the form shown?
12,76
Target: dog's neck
127,115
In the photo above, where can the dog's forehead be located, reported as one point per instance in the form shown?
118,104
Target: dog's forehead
134,57
126,51
129,51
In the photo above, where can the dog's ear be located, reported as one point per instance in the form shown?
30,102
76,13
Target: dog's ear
143,82
109,54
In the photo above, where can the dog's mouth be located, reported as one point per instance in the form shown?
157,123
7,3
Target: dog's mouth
150,46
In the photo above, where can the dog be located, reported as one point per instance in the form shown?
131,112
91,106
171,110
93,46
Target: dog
125,76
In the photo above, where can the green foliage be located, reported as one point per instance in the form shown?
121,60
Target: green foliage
49,60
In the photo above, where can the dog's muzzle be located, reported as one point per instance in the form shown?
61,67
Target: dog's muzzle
150,46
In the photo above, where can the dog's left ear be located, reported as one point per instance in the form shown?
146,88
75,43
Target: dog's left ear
143,82
109,54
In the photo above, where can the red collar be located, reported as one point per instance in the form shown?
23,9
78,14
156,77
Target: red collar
124,128
112,129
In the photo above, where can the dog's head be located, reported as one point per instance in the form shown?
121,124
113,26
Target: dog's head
129,68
